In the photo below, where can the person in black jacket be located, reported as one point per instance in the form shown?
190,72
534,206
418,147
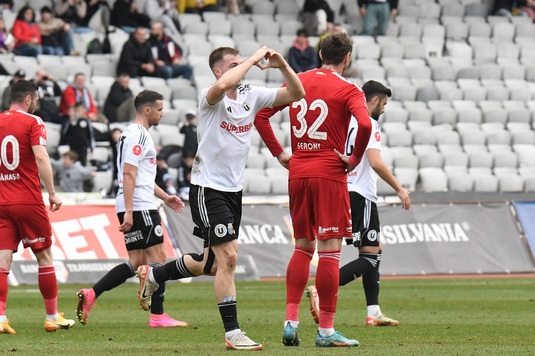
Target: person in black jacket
302,56
318,16
136,57
119,94
49,94
126,16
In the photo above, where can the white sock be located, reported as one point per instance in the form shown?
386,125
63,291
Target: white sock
231,333
374,311
52,316
293,323
150,276
3,318
325,332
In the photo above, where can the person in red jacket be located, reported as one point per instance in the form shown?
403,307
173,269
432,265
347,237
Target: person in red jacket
79,92
26,33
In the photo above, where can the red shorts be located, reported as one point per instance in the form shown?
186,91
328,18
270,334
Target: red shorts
26,223
319,208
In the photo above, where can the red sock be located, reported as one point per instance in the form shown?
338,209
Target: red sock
48,286
3,290
297,275
327,277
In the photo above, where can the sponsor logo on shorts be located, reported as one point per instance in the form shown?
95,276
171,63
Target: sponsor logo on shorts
230,229
158,230
137,150
133,236
29,241
372,235
323,230
220,230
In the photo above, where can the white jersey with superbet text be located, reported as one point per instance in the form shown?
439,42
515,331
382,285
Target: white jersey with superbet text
224,133
136,147
363,178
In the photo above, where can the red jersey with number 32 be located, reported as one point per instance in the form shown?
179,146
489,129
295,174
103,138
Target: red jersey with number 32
19,176
319,124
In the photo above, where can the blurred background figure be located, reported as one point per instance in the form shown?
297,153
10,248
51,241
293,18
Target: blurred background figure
126,16
119,105
189,129
184,174
302,56
49,94
74,13
56,36
317,16
26,33
76,93
167,55
136,56
197,6
78,132
6,95
166,12
72,174
7,42
377,15
163,178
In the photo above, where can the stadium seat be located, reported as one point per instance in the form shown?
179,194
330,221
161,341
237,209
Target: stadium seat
406,176
431,159
511,183
460,182
485,183
503,32
405,161
505,159
433,179
102,181
257,185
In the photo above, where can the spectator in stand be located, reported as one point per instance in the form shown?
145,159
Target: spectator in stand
73,12
79,93
318,16
302,56
166,12
49,94
167,55
7,42
6,5
189,130
118,99
115,136
56,34
125,15
78,132
93,7
6,95
510,8
136,56
377,14
184,174
72,174
26,33
163,178
197,6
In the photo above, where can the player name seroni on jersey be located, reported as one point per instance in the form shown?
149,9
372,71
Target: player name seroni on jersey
308,146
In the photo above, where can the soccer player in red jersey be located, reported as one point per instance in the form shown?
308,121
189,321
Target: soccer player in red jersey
23,217
319,198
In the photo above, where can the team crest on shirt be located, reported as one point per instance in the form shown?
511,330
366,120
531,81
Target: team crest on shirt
137,150
378,136
83,124
220,230
372,235
246,107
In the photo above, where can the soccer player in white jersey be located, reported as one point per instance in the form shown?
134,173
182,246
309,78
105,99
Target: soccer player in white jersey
362,185
137,210
226,115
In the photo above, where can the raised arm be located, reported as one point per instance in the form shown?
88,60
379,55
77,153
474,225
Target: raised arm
293,90
232,78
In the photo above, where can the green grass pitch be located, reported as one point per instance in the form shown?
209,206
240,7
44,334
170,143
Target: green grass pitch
485,316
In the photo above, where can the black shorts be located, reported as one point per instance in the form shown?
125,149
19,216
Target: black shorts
365,217
145,232
216,214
